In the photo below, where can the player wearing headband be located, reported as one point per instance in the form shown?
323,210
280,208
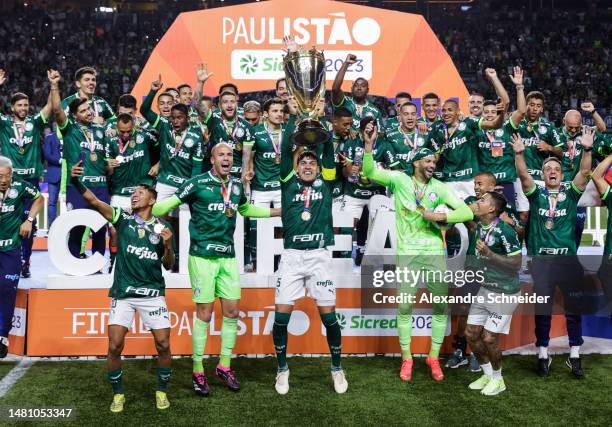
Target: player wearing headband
214,199
420,245
307,197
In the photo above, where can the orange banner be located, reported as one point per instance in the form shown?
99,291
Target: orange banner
396,51
74,323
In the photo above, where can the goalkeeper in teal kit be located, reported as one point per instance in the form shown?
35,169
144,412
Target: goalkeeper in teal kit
420,246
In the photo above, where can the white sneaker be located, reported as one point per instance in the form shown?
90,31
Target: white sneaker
340,383
282,382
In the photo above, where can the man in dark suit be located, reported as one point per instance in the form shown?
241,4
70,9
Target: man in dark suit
52,151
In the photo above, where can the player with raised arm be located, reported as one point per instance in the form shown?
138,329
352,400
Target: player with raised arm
85,80
145,245
420,245
14,192
214,198
552,222
21,141
496,252
307,197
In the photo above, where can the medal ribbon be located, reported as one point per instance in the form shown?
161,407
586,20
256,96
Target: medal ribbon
276,146
306,194
177,148
485,236
142,223
231,134
123,147
418,194
89,136
552,205
226,192
19,131
415,134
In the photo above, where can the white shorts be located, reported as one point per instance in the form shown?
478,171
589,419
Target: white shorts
164,192
123,202
264,198
305,272
462,189
494,316
153,312
354,206
522,203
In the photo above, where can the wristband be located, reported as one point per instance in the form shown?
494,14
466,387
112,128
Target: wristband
30,219
520,87
587,149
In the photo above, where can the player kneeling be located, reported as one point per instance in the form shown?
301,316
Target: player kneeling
144,245
306,262
497,253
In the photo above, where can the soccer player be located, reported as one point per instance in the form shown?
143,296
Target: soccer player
185,94
281,89
252,112
214,198
127,105
14,192
457,141
430,106
420,245
400,99
230,128
497,253
357,103
306,261
604,187
262,159
552,222
21,142
358,189
128,155
165,102
83,141
495,154
85,82
176,97
342,120
405,137
145,244
476,106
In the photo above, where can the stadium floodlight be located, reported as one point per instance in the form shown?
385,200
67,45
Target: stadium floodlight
105,9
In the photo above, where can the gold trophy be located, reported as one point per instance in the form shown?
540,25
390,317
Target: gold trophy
305,74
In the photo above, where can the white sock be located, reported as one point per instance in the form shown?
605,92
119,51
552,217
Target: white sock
496,375
574,351
543,352
487,369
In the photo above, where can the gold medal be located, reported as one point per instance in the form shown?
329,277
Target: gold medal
141,233
229,212
549,224
238,146
132,144
21,150
306,216
93,157
277,159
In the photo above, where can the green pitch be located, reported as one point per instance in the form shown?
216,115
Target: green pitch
375,396
5,367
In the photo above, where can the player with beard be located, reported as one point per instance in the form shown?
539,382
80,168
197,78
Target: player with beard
228,127
127,105
252,112
357,103
214,198
400,99
552,223
496,252
176,97
85,80
14,193
145,245
405,137
261,171
281,89
475,105
420,246
307,197
21,141
83,141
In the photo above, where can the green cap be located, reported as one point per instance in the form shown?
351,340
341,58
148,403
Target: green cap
421,153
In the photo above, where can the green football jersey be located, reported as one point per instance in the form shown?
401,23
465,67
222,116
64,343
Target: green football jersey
602,145
405,144
572,150
363,188
502,240
22,143
135,161
495,153
11,212
266,146
86,142
98,104
531,134
138,266
360,111
458,151
607,200
339,182
139,121
237,133
239,112
429,123
210,229
560,239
